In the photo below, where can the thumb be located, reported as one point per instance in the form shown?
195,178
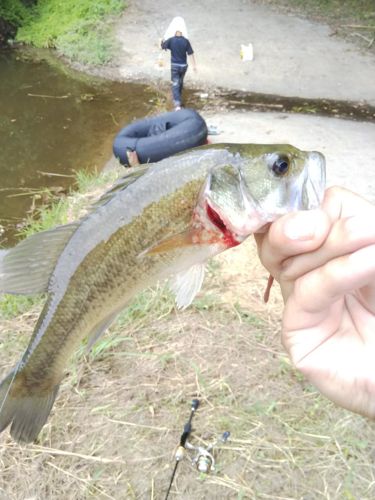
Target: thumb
291,235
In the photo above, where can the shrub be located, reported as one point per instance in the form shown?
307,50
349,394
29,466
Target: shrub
79,30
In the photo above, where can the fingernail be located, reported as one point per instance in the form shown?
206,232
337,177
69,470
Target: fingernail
301,226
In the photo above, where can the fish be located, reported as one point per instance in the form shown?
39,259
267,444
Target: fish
161,221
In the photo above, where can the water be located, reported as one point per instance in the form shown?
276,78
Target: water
55,121
357,111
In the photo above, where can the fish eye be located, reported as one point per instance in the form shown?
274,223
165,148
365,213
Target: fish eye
280,166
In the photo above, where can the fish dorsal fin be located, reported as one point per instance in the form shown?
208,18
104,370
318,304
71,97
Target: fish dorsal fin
120,185
186,284
26,268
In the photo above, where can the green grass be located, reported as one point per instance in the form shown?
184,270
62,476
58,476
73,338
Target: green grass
46,217
88,180
88,44
148,306
12,306
79,30
63,209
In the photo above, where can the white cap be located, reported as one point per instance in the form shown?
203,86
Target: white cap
177,24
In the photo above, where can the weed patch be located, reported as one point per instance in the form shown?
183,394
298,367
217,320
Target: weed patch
79,30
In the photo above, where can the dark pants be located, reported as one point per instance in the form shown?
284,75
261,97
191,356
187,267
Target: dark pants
177,76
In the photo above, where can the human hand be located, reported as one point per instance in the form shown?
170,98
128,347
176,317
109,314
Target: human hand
324,261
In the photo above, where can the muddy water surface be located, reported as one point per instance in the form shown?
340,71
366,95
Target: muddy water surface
54,121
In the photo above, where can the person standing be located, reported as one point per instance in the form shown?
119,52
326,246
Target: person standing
180,48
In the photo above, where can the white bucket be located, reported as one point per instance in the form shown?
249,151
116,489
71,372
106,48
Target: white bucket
247,52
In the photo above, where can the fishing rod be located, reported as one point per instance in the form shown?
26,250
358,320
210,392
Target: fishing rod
179,455
203,459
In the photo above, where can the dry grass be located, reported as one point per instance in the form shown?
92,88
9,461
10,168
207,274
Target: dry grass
121,410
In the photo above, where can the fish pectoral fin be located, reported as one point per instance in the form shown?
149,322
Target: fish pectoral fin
26,414
27,268
186,284
180,240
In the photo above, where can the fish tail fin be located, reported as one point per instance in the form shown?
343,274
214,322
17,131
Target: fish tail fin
26,414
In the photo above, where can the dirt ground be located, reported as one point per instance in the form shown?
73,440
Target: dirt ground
292,56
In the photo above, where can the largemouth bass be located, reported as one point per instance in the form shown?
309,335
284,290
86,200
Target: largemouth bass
161,221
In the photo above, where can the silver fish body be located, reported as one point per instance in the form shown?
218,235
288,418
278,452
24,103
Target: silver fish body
164,220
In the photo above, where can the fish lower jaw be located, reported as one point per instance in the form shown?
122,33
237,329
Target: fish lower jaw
253,225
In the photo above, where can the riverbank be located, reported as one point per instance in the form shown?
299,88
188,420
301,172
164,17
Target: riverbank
292,57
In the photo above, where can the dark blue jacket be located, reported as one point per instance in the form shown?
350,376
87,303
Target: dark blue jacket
179,47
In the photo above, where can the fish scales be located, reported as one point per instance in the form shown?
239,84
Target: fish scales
147,224
107,286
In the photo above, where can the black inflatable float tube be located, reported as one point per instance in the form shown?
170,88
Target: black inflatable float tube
161,136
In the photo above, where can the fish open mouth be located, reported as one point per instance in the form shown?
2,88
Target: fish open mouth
230,238
215,218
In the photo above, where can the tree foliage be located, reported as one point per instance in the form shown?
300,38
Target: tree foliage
78,29
15,12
